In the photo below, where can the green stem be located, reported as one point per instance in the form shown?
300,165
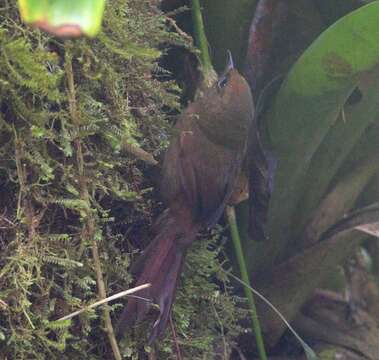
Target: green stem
231,215
201,40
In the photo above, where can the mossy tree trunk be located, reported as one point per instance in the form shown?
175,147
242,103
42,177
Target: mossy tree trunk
80,124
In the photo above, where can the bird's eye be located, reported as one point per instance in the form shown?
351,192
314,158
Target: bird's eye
222,82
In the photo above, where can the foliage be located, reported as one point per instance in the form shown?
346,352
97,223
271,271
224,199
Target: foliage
66,184
322,129
214,302
317,128
69,114
207,314
307,107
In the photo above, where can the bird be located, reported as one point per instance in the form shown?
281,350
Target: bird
199,172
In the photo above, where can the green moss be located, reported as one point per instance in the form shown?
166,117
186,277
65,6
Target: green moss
46,265
206,313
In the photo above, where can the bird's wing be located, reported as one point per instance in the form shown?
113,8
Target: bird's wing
207,173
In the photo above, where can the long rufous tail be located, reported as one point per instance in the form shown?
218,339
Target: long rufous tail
162,263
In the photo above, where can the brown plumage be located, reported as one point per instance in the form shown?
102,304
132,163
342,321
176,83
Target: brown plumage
199,173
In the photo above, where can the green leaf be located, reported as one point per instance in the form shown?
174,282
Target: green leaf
338,144
308,104
232,20
63,17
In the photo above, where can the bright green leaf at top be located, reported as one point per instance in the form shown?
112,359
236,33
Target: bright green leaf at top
64,18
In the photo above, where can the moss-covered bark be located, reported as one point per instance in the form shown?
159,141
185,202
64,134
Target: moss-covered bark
68,185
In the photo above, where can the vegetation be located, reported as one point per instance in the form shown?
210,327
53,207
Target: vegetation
81,124
74,117
315,128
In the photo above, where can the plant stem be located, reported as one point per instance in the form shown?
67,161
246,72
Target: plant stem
202,42
231,215
89,227
24,206
103,301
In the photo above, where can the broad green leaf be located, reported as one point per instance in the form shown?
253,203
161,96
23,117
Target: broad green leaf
64,17
338,144
308,104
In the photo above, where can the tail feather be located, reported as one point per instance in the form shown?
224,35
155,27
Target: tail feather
166,293
162,265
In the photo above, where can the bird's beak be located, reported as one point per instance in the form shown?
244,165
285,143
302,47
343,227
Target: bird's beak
230,62
228,68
